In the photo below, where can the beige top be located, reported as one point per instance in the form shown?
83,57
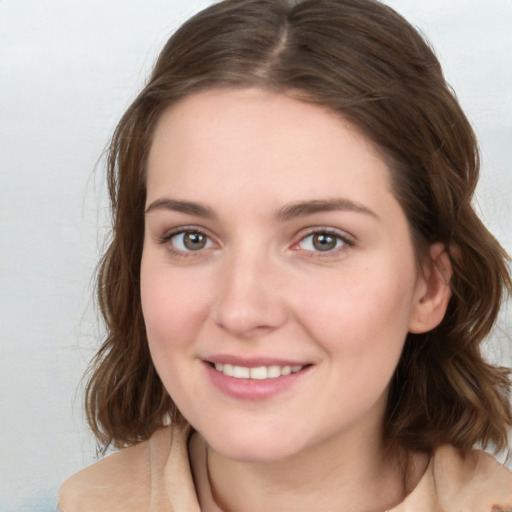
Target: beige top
155,476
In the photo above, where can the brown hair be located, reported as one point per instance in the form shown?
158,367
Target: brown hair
362,60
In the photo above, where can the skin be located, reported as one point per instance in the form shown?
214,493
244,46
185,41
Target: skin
261,288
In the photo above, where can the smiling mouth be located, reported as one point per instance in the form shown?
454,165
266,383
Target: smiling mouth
258,372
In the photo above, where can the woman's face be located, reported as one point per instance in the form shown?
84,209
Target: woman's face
278,276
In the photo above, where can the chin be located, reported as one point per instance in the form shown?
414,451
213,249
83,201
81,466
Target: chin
262,445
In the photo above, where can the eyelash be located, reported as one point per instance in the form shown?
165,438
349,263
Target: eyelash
346,242
167,238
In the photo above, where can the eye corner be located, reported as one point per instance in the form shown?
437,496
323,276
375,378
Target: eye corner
323,242
187,241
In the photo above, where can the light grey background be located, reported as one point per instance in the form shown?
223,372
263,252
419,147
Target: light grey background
68,69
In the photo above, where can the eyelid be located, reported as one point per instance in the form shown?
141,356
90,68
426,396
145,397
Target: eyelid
167,237
347,239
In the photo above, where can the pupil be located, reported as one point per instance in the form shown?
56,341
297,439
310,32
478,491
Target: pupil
324,242
194,241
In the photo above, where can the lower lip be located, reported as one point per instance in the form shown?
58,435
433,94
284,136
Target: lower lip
253,389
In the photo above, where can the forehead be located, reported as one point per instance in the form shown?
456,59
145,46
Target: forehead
253,141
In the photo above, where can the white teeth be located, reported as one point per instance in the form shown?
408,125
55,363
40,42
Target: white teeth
286,370
273,372
241,372
258,372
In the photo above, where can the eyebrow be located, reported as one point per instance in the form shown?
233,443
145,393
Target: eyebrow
287,212
304,208
187,207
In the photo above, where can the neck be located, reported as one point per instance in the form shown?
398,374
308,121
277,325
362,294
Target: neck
350,474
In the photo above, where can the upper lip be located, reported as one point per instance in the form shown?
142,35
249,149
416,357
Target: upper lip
252,362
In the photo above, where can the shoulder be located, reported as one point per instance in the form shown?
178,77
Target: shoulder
121,481
474,481
461,481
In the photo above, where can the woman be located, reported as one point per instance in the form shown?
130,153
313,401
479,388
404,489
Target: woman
297,286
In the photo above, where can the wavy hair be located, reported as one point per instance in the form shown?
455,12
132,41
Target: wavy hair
363,61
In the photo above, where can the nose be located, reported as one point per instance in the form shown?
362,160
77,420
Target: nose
249,301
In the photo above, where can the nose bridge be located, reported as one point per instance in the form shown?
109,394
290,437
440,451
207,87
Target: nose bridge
248,299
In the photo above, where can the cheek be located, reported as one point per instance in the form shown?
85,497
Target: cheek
173,313
359,313
172,307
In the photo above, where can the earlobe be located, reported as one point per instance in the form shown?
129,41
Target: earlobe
433,291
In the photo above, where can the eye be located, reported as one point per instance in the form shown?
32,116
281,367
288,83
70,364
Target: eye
322,241
189,241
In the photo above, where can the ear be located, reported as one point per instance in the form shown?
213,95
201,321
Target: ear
432,292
